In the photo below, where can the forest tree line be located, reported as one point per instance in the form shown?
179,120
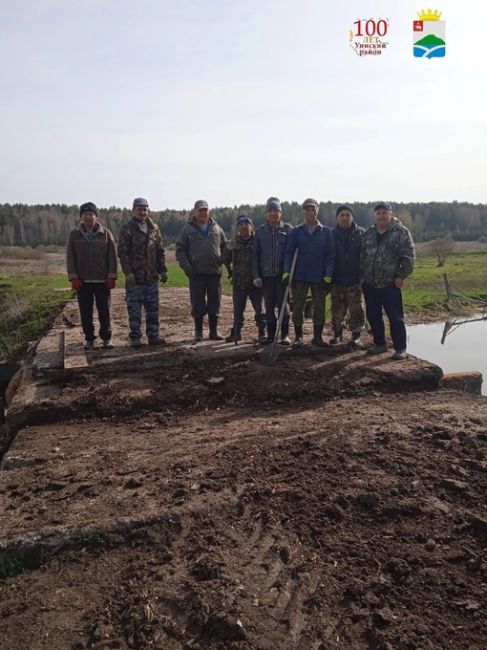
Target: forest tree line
30,225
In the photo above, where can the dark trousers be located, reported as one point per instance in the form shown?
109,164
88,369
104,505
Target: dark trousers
273,290
388,300
240,302
205,294
300,293
99,293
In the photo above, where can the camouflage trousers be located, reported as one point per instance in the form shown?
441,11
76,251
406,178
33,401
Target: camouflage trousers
147,296
347,299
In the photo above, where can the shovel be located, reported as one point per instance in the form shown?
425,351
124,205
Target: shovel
271,353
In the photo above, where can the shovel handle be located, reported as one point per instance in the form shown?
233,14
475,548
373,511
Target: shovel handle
282,310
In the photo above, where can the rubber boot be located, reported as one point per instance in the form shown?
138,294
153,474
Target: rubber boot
285,340
198,329
234,335
298,336
262,336
318,337
356,342
271,330
213,323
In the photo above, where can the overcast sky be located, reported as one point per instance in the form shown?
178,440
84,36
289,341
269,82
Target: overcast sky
234,101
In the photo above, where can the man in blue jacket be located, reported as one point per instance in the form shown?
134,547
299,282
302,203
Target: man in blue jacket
314,269
267,266
346,292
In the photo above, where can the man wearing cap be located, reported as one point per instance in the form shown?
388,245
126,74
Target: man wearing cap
267,267
199,249
386,260
346,292
238,258
314,268
142,257
92,269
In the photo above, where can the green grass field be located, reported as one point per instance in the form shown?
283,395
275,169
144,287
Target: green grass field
28,304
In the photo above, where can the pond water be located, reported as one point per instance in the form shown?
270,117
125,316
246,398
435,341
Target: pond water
465,347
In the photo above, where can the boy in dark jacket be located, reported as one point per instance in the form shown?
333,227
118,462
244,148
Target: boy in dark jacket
92,271
314,268
238,258
346,292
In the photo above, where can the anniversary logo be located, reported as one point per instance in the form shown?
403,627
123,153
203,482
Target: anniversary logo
366,37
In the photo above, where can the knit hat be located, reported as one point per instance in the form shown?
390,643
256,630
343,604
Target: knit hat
88,207
243,218
343,207
140,201
273,203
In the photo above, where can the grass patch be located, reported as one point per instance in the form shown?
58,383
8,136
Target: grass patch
27,307
424,290
11,567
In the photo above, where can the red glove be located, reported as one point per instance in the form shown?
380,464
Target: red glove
76,284
111,282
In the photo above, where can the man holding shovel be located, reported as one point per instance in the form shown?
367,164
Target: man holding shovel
267,267
314,269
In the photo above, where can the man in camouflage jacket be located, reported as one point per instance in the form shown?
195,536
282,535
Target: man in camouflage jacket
238,258
143,261
386,260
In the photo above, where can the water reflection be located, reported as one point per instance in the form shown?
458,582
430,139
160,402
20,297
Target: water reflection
455,346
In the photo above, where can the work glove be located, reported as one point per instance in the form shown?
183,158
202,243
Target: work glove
258,283
163,277
327,279
130,280
189,271
111,282
76,284
230,274
285,278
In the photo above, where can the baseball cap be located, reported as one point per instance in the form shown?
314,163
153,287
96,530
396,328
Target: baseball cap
200,204
382,206
311,202
140,201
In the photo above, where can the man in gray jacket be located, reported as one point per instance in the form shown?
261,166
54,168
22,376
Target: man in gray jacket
267,267
386,260
199,249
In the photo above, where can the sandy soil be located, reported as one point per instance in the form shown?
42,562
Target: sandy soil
319,503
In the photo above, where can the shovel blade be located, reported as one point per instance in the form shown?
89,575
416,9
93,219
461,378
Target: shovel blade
270,354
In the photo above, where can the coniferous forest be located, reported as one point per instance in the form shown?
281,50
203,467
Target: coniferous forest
30,225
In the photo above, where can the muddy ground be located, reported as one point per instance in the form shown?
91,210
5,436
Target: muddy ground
319,503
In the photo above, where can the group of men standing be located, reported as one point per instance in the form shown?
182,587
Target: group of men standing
346,261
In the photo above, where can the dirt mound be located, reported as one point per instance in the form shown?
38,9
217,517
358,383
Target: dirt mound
210,502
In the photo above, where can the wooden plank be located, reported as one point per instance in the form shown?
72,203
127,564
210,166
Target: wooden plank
74,354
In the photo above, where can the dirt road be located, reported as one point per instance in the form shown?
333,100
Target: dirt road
330,501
